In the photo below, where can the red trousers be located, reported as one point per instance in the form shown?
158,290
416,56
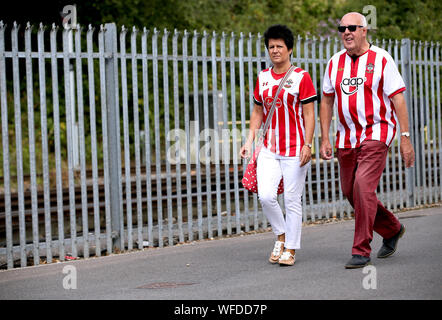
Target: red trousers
360,170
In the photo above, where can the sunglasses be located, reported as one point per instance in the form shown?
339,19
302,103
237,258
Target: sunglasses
351,28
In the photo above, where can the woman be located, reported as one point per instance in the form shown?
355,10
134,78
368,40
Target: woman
287,145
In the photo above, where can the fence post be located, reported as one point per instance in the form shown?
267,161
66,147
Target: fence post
111,65
406,74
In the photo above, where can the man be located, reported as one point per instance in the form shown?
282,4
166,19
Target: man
363,83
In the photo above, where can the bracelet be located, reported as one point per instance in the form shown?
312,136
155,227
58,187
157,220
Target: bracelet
405,133
308,145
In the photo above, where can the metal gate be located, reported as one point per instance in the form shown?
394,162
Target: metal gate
116,141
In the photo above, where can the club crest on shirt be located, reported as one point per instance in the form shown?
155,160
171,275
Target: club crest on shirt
288,83
268,103
369,68
350,86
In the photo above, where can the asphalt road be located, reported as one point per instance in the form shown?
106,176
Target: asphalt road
237,268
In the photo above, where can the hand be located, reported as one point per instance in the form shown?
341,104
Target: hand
305,156
325,150
246,150
407,152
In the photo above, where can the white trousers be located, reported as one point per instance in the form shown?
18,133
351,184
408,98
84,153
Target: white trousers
270,168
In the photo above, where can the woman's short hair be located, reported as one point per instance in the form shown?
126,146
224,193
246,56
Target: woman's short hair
279,31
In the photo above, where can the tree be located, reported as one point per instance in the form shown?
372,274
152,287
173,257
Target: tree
396,19
415,19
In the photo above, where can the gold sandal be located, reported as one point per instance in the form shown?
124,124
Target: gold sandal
277,252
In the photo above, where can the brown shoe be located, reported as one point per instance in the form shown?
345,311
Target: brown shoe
287,259
277,252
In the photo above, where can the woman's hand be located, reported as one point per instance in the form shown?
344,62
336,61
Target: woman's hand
255,123
246,150
305,156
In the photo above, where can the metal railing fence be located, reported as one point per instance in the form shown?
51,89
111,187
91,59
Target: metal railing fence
119,140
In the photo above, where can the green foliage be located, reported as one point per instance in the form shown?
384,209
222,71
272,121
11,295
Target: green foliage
396,19
415,19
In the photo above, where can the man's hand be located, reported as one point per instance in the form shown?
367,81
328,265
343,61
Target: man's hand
407,152
326,150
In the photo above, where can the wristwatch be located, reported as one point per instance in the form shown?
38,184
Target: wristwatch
406,134
308,145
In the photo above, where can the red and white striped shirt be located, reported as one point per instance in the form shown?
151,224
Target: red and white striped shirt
362,89
286,133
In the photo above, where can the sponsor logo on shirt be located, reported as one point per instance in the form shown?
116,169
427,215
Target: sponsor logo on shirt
269,100
350,86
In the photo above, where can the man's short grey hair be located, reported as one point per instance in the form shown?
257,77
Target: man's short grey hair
363,21
361,16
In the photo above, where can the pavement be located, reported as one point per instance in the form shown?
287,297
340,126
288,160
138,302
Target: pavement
237,268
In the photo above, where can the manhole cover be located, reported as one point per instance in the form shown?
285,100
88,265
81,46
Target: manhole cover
163,285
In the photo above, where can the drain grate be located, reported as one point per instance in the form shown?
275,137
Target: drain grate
164,285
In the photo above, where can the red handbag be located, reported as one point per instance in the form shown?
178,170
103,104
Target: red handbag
249,180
